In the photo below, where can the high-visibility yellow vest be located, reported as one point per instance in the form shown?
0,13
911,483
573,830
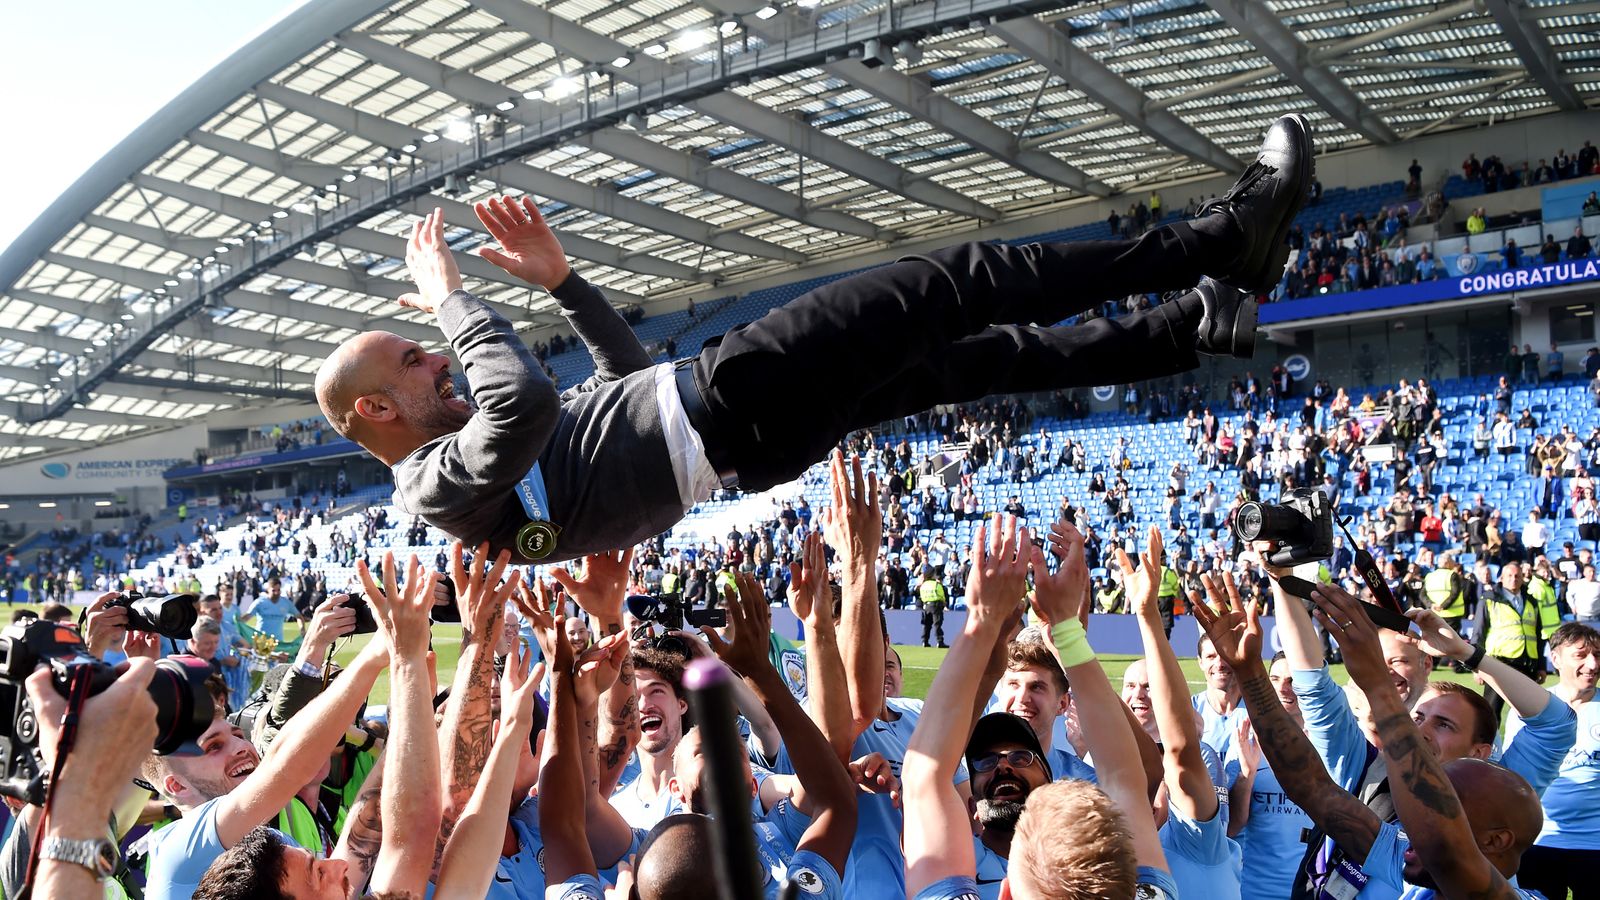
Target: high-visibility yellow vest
669,583
1511,635
1170,584
1549,610
931,591
1444,593
296,821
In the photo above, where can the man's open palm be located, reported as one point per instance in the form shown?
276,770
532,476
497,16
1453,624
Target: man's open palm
528,248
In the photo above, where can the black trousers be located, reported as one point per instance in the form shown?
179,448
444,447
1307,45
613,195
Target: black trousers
950,327
1553,872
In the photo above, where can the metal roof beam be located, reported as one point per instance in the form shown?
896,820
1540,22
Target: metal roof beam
1258,24
755,119
1054,50
46,443
199,389
87,416
1522,30
917,97
473,89
389,134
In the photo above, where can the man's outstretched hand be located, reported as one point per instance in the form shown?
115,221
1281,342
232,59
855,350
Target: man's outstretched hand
432,265
528,248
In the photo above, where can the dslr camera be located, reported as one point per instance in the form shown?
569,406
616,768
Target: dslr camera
671,613
1301,525
172,616
184,709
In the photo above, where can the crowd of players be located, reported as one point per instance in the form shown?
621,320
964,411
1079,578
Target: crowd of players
1025,772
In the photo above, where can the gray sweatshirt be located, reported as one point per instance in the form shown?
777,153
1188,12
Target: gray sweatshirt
600,444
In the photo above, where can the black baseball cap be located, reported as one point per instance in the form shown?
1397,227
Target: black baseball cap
1004,728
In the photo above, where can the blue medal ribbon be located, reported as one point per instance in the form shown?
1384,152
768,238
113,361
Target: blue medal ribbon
536,539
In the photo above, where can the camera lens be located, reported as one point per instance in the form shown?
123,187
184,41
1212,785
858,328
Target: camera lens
184,708
1261,522
1248,522
172,616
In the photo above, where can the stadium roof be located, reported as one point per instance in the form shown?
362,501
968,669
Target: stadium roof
217,253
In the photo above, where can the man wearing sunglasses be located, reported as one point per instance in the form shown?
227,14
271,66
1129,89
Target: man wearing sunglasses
1006,763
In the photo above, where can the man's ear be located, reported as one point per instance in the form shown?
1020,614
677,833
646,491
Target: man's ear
173,786
375,408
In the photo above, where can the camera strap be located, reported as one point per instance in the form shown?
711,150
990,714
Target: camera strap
77,695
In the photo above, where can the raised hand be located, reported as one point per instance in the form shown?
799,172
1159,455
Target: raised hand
480,595
1343,618
431,264
528,248
1063,594
401,612
596,669
1001,553
519,684
539,607
105,626
875,775
809,596
1235,632
853,524
1144,583
1248,748
601,585
749,628
1437,638
331,620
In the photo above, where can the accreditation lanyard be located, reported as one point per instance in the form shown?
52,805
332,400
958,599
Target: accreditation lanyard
537,539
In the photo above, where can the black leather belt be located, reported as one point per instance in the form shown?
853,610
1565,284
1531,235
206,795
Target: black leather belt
694,406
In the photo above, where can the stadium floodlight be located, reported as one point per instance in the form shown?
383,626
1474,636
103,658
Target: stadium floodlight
809,4
221,248
695,38
126,317
429,138
506,105
561,87
410,147
766,12
622,62
728,26
636,122
656,50
280,214
347,177
170,283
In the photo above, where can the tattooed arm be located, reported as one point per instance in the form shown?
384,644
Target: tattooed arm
853,526
599,589
609,834
1424,797
617,729
363,831
466,734
1236,634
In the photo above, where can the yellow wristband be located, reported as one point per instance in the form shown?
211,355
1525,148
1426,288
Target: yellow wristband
1072,644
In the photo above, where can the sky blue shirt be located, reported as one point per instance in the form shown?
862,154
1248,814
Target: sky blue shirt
1270,842
581,887
182,852
640,807
1331,726
1205,862
1572,801
271,614
1217,729
992,868
1534,747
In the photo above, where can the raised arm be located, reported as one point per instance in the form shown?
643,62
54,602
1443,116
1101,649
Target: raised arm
530,251
1236,634
466,734
1301,646
1439,640
474,849
853,526
517,405
1059,599
830,790
1188,781
810,599
302,747
599,589
1424,797
411,792
938,832
561,782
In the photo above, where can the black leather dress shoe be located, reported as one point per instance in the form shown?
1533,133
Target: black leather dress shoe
1262,205
1228,325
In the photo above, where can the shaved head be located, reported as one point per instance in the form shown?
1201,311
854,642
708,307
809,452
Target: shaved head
341,380
389,394
1502,809
672,859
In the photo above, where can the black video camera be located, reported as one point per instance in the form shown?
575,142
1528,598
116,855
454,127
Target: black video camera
1301,526
172,616
671,613
184,709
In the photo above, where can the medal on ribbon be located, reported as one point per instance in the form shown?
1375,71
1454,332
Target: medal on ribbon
537,539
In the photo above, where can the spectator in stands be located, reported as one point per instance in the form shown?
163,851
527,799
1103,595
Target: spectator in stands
1476,222
1550,251
1563,165
1591,205
1471,169
1316,191
1530,365
1588,160
1512,255
1414,179
1578,246
1503,394
1555,364
1591,363
1543,174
